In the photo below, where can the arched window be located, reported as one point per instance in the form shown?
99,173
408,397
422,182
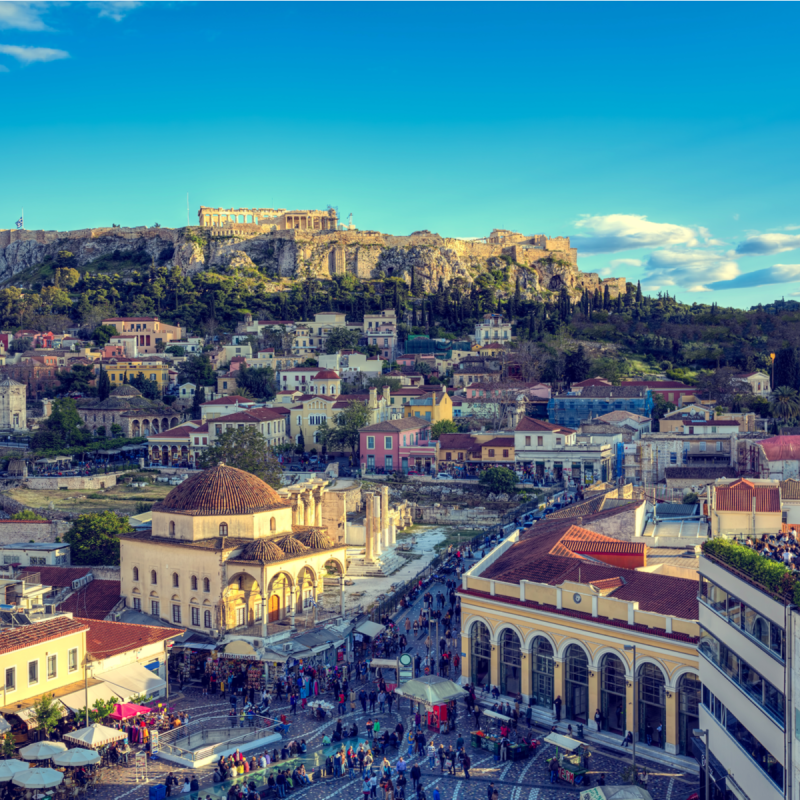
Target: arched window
481,652
510,663
194,583
577,698
273,525
223,529
206,585
612,693
153,579
175,581
241,582
136,573
542,672
689,688
172,529
652,704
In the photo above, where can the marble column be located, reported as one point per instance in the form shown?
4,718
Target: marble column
369,553
377,526
387,542
318,497
309,503
392,533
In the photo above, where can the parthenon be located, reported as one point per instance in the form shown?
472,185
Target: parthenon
272,219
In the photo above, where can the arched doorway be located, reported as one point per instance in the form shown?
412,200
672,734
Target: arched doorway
280,596
481,655
510,663
577,681
242,600
306,585
688,701
542,672
613,698
652,704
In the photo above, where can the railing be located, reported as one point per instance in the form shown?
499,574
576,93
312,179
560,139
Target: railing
256,727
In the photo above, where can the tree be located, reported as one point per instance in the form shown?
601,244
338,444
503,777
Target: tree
116,431
341,339
443,426
197,402
259,381
63,428
75,380
21,345
612,369
348,423
690,499
97,713
9,746
379,381
197,370
578,366
787,368
103,384
102,334
47,713
27,513
94,538
723,385
148,388
246,449
661,408
785,405
499,480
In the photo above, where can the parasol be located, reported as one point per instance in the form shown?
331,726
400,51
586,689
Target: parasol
127,710
430,690
39,751
77,757
95,735
11,767
616,793
38,778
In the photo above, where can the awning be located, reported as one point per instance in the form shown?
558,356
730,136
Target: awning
564,742
239,647
371,629
102,691
132,680
27,715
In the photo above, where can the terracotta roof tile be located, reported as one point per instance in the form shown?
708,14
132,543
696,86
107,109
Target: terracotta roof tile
95,600
57,577
790,490
12,639
228,400
105,639
738,496
531,424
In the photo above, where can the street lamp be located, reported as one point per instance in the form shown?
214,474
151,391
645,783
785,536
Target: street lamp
707,764
633,710
772,359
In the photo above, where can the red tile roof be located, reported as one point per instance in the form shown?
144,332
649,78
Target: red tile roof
738,496
95,600
12,639
499,441
455,441
180,432
105,639
782,448
57,577
592,382
231,399
326,374
249,415
531,424
607,583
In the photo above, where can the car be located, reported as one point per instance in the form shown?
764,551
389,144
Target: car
444,476
313,459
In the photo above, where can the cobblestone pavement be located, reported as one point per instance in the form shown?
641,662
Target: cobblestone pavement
522,780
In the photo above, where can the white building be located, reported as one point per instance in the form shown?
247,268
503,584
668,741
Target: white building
13,399
37,554
492,329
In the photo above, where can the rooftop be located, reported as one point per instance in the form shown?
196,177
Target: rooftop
395,425
622,416
57,577
539,425
105,639
94,600
12,639
738,496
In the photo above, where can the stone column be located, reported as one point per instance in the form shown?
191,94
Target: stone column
369,553
318,498
525,676
309,503
594,697
387,542
559,685
670,732
392,533
376,524
494,669
292,604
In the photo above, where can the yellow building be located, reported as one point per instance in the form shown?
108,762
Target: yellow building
550,614
227,553
434,407
154,369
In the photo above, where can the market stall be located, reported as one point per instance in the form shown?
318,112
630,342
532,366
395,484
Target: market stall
570,757
436,694
94,736
484,740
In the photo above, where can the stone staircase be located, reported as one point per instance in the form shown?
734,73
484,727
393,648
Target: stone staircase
385,564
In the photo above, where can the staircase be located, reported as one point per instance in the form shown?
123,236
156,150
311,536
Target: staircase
385,564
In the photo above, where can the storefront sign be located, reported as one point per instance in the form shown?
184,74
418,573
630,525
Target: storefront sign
566,775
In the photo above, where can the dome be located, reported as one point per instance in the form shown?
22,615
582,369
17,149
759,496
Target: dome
291,546
314,539
125,390
221,490
261,550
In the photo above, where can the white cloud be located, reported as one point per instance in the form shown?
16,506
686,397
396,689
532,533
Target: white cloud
626,262
768,244
778,273
691,270
116,10
22,16
28,55
612,233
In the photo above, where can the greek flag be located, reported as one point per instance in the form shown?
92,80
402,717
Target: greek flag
20,222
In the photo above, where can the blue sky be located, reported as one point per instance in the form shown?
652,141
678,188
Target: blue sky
661,137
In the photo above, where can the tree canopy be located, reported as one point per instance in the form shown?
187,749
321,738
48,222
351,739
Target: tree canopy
94,538
63,428
499,480
246,449
443,426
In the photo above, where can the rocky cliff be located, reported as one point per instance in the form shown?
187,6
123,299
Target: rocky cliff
424,258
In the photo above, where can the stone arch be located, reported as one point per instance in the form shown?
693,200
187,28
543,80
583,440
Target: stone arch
175,599
533,635
595,662
673,682
337,565
497,634
173,422
642,660
273,525
136,590
164,424
562,650
468,624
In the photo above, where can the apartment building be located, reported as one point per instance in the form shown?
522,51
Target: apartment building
150,331
493,328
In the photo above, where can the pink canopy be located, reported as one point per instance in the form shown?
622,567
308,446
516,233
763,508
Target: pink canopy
126,710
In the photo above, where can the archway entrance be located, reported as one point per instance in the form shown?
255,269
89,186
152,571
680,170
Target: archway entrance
274,608
510,663
613,700
481,655
542,672
280,596
577,699
689,701
652,705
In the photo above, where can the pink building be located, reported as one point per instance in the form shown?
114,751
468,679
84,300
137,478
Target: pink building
398,445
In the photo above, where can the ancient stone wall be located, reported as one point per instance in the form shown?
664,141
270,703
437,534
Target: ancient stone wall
26,530
73,482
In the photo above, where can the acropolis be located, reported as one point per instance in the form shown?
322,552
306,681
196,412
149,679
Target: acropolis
268,219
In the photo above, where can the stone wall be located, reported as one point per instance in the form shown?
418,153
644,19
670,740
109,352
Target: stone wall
25,530
73,482
470,518
106,573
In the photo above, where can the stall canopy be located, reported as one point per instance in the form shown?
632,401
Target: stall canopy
239,647
4,726
564,742
132,680
95,735
102,691
431,690
371,629
128,710
616,793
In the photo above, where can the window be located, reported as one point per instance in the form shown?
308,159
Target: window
137,603
175,580
176,613
388,463
153,577
491,453
206,619
11,559
195,616
505,453
206,585
172,524
38,561
387,442
52,668
558,440
527,441
155,608
223,529
33,672
701,446
72,657
11,679
540,441
370,442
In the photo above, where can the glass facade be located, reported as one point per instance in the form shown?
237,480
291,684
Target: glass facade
652,704
510,663
577,666
481,655
613,693
542,672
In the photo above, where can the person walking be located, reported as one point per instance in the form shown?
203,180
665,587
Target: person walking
416,774
466,763
557,704
352,700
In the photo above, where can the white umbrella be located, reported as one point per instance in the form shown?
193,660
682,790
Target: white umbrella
95,735
10,767
39,751
38,778
77,757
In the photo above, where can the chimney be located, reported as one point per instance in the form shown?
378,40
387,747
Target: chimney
373,397
386,394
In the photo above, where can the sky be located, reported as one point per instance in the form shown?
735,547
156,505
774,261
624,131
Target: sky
661,137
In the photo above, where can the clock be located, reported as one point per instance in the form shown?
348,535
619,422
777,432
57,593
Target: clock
576,597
